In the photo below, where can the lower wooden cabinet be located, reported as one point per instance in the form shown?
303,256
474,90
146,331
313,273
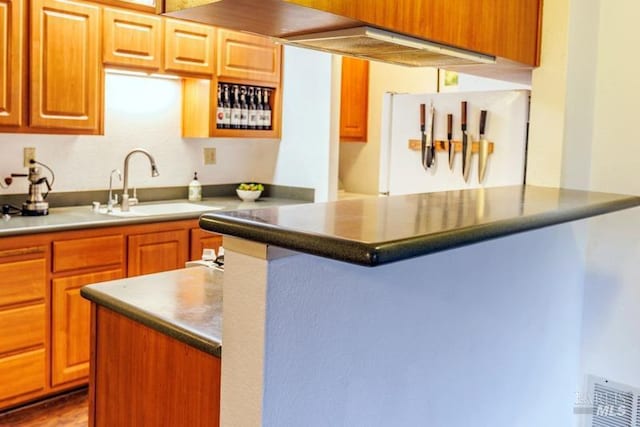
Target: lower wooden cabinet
45,323
158,251
201,240
23,321
70,325
181,387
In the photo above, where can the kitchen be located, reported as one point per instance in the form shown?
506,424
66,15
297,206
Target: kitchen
560,82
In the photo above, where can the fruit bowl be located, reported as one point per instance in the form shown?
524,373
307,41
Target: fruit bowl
248,195
249,191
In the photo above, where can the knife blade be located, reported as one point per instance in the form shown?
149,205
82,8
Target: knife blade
483,148
431,146
423,159
466,149
449,136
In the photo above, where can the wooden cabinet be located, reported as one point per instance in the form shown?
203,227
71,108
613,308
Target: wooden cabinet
247,57
129,390
157,251
242,59
70,325
200,240
354,100
132,40
66,72
150,6
23,322
45,323
11,62
505,28
189,48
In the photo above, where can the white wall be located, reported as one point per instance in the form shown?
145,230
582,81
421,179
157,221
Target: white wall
612,295
306,148
360,162
584,107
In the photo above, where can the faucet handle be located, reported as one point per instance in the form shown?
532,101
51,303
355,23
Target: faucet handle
134,199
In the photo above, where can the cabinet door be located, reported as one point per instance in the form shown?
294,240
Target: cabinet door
66,72
248,57
200,240
189,48
11,55
132,40
155,252
354,101
71,326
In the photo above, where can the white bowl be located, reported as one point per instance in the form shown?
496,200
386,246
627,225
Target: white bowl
248,196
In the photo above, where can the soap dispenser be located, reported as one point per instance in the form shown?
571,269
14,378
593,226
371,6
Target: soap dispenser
195,189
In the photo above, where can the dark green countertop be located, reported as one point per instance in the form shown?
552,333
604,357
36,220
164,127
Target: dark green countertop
376,231
185,304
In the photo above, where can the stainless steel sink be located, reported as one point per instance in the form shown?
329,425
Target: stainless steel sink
160,209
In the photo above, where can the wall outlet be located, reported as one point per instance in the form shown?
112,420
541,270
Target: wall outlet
29,154
210,156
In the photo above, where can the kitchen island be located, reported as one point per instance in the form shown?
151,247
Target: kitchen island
156,347
470,316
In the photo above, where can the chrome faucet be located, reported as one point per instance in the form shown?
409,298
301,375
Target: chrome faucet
112,200
124,204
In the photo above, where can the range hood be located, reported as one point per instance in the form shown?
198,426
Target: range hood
297,25
380,45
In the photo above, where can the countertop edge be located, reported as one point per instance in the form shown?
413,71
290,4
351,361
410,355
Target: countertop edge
378,253
154,322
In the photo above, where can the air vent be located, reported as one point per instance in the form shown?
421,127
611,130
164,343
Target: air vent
610,404
379,45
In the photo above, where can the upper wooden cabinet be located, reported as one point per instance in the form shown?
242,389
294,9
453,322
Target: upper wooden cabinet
132,40
189,48
151,6
248,57
504,28
11,61
354,100
66,70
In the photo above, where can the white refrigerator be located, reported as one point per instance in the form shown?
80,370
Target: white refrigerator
401,168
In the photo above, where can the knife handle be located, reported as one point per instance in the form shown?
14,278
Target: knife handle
463,114
483,121
449,126
422,116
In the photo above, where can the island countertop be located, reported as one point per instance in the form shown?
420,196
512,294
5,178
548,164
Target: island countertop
376,231
184,304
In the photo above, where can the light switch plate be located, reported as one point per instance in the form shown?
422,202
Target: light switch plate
209,156
29,153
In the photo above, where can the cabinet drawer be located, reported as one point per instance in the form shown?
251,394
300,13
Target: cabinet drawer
86,253
22,373
22,327
22,281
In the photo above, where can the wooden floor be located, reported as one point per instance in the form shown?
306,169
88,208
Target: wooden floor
70,410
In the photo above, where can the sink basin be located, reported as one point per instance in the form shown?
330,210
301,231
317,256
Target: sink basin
160,209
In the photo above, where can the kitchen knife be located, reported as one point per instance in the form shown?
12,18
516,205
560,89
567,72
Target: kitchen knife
449,136
466,146
483,147
423,159
431,146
